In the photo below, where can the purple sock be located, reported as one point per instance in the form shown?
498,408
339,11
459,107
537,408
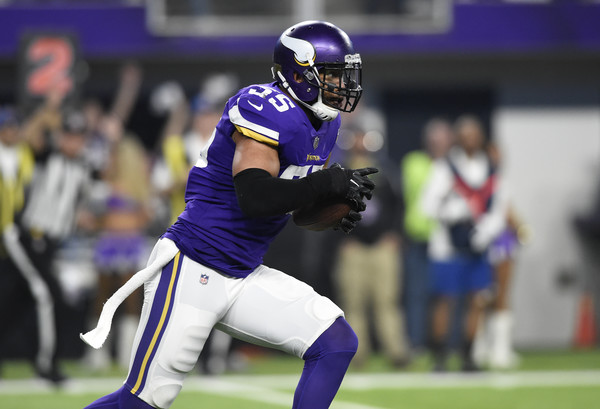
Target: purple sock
327,360
120,399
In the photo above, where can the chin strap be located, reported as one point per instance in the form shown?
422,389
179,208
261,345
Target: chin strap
321,111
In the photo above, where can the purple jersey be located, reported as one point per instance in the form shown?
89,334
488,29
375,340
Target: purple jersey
212,229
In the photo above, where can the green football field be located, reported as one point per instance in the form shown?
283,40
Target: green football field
545,380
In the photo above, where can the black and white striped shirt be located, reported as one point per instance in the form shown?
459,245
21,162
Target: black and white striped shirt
58,186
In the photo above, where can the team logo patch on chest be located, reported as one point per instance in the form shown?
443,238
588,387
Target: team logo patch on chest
204,279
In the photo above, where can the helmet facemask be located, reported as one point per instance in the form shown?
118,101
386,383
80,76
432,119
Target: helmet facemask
339,84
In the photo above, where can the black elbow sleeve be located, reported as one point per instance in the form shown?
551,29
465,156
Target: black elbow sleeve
260,195
248,191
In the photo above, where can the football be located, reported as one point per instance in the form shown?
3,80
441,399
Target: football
322,215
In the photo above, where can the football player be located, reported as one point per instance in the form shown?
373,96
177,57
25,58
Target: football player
266,158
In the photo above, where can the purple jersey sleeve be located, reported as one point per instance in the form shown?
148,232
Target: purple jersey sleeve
263,113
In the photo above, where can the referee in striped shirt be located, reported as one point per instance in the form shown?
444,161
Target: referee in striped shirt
51,212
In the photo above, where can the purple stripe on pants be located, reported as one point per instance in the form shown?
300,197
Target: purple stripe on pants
160,313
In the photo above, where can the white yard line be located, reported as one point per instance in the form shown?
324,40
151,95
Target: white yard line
256,391
268,388
221,386
240,387
357,381
73,386
497,380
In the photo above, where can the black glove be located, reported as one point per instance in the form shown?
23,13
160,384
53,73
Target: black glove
348,223
353,184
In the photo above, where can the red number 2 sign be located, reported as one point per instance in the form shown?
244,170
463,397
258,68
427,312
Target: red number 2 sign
51,60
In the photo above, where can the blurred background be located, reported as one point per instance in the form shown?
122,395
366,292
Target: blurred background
151,78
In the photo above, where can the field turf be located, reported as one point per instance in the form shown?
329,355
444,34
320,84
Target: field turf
545,380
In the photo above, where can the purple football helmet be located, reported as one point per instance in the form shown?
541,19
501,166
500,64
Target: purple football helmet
326,65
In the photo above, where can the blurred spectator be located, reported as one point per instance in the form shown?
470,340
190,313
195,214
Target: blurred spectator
124,213
121,246
97,148
170,170
179,150
493,342
415,171
207,107
21,281
368,273
97,151
465,197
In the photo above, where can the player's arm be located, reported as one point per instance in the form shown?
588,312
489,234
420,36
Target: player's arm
261,193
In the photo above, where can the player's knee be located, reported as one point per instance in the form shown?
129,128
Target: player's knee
349,342
338,338
164,395
160,392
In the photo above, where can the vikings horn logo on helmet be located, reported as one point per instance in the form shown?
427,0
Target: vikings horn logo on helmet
304,52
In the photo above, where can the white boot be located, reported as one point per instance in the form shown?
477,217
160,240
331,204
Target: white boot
127,329
502,355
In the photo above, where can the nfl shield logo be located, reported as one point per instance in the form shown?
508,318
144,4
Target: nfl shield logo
204,279
316,142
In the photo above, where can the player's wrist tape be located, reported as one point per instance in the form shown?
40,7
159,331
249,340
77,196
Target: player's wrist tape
260,195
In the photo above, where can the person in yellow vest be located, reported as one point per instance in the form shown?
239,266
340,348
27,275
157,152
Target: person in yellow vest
20,280
415,171
16,168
